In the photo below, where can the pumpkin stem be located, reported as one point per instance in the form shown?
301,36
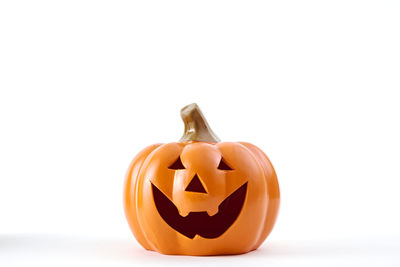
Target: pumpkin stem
196,126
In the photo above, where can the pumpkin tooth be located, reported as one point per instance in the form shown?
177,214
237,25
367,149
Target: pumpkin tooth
184,213
212,211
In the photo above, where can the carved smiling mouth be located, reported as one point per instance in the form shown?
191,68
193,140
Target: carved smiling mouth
200,223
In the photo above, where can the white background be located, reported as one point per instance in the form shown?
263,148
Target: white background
85,85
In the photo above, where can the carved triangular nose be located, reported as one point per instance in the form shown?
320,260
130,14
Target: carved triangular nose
195,186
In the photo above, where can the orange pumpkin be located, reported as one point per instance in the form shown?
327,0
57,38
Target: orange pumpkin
201,196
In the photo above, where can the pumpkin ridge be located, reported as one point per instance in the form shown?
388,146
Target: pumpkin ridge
272,191
139,173
141,178
130,191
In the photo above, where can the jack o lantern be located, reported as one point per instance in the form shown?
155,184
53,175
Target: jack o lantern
201,196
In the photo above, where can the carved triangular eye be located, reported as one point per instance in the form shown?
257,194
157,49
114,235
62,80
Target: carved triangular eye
177,165
224,166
